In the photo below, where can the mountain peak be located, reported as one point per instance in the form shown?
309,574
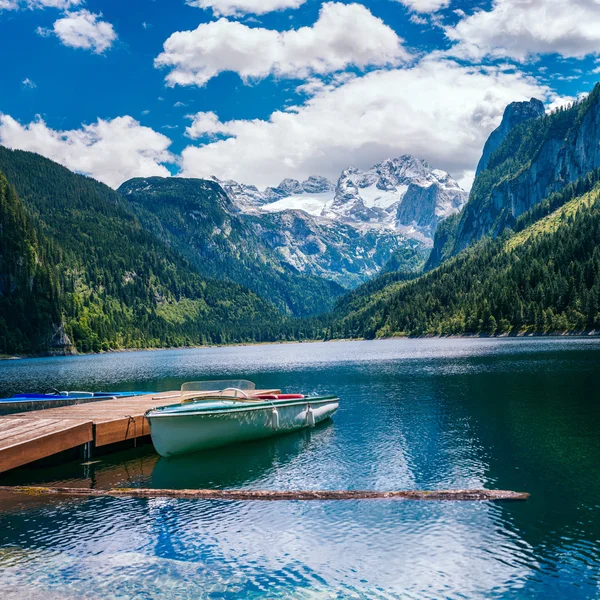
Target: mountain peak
517,112
401,194
514,114
292,187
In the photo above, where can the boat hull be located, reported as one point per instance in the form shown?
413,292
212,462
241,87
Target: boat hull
174,434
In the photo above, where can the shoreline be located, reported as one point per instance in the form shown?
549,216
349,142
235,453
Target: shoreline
520,335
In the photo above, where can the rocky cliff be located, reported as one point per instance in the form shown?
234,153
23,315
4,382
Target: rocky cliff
382,217
514,114
403,195
536,158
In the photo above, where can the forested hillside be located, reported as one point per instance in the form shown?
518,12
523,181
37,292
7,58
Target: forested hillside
29,305
111,283
196,217
536,158
544,277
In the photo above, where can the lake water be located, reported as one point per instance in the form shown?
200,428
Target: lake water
510,414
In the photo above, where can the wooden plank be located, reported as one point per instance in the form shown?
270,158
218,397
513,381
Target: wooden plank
119,430
31,430
14,425
26,427
64,436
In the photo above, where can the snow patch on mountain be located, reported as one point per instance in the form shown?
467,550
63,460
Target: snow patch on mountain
404,195
313,204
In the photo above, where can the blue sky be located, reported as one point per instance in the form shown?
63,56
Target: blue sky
258,90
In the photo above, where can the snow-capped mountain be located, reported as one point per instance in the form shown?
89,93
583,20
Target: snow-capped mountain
347,232
404,195
245,197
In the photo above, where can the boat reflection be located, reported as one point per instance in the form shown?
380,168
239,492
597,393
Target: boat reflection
235,466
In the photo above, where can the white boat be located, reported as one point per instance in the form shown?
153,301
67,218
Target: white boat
219,413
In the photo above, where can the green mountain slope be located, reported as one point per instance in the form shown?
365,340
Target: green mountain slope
117,284
536,158
29,307
543,278
196,217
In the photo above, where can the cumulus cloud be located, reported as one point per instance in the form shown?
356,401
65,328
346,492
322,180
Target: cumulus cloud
204,124
425,6
236,8
438,110
60,4
521,29
110,151
344,35
83,29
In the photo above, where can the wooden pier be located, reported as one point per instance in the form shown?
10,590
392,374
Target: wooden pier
27,437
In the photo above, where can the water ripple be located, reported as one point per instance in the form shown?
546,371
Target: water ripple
513,414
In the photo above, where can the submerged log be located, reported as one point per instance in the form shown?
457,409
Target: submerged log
472,495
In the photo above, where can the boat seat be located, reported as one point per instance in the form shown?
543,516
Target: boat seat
280,396
217,395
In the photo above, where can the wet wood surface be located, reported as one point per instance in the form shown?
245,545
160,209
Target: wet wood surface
270,495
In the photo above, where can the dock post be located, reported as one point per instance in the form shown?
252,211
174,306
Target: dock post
87,451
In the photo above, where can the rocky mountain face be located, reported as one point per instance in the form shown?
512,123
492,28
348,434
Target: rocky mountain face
332,250
197,217
349,231
401,195
249,197
297,261
514,114
292,187
537,157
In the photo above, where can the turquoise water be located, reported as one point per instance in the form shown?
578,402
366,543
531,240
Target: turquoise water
415,414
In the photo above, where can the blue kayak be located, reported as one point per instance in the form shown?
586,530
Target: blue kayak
54,399
72,395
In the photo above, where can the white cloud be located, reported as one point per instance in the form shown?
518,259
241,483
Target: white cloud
60,4
467,179
344,35
83,29
205,124
234,8
521,29
418,20
110,151
314,85
425,6
28,83
438,110
566,101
